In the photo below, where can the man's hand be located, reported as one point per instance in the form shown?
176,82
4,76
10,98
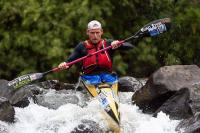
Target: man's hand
115,44
63,65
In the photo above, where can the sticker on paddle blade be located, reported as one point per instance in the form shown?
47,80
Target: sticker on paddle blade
24,80
19,82
155,29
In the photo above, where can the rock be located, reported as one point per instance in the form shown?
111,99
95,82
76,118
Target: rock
54,99
18,97
177,106
4,90
191,125
55,84
129,84
7,112
88,126
165,86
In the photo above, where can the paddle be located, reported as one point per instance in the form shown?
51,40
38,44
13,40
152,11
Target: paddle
153,28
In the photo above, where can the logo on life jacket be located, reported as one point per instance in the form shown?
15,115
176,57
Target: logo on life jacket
101,60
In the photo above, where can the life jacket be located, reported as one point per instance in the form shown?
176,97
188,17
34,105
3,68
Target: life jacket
101,60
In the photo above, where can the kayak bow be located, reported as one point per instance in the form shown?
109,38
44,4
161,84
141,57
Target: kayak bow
107,95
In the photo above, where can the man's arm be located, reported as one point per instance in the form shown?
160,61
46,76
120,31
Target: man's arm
78,52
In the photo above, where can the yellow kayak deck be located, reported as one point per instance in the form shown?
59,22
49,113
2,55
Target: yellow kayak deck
107,95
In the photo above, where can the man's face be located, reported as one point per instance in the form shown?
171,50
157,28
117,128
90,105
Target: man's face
94,35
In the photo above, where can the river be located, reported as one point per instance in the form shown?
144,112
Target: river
39,119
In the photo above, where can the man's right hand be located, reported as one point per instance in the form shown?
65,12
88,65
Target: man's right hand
115,44
63,65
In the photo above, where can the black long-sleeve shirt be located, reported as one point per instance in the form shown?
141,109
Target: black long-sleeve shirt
81,51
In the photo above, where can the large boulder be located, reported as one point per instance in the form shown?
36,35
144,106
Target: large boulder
7,112
174,90
177,104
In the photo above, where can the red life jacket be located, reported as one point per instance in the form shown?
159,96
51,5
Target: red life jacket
101,60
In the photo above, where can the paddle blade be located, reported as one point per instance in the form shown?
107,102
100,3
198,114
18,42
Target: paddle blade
155,28
24,80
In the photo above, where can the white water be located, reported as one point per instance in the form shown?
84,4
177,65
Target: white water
39,119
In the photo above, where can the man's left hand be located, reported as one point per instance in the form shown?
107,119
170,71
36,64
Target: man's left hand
115,44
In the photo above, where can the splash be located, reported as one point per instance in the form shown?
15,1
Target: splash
40,119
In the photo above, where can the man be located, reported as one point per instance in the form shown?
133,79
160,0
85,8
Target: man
97,68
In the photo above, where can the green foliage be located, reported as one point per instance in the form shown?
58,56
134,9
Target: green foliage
36,35
119,65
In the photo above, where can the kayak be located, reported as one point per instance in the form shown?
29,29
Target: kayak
107,95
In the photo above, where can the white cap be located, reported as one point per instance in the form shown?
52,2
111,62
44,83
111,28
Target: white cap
94,24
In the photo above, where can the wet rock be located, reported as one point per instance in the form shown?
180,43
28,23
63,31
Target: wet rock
19,97
54,99
177,106
165,86
4,90
191,125
56,84
129,84
88,126
7,112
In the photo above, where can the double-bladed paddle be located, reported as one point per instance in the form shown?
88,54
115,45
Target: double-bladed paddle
153,28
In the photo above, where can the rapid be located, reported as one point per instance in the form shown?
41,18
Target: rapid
83,113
